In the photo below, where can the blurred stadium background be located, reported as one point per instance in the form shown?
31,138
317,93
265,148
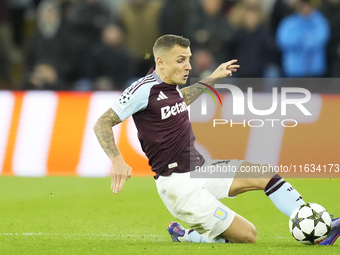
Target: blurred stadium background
62,63
87,45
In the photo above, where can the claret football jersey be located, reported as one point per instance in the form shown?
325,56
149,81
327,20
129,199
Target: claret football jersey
162,120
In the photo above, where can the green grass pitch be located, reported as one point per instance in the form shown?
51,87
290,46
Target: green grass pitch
73,215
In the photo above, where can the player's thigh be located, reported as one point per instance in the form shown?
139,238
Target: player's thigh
240,231
249,177
204,213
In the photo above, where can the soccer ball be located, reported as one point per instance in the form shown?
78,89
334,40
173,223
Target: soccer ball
310,223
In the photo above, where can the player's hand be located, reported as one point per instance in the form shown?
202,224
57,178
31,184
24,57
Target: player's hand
224,70
120,172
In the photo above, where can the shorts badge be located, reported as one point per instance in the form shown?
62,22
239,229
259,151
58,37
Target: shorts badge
221,214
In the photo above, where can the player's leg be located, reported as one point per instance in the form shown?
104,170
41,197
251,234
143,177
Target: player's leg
282,194
180,234
201,209
239,231
195,201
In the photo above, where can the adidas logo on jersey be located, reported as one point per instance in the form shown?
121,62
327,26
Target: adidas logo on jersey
161,96
167,111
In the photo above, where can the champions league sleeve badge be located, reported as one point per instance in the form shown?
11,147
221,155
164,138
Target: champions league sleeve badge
125,97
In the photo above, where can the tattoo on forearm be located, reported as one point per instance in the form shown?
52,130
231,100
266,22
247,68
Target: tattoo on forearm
192,92
104,133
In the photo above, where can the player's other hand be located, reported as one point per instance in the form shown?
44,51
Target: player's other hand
224,70
120,173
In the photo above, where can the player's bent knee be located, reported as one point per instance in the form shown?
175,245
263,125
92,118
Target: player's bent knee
241,231
246,236
250,236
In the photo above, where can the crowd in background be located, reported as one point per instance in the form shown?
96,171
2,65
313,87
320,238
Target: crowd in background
106,44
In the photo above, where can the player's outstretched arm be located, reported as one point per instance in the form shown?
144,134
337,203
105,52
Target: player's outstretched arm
103,130
191,93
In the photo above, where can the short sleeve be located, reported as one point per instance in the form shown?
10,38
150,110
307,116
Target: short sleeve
132,100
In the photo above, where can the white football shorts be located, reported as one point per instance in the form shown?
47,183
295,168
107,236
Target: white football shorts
196,200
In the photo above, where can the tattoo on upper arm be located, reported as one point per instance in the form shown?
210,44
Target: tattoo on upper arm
110,117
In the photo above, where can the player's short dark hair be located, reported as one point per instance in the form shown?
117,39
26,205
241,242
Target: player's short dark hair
169,41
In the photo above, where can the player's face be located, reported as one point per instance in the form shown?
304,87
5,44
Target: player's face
177,65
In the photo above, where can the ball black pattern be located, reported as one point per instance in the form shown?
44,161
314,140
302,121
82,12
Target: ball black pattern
310,223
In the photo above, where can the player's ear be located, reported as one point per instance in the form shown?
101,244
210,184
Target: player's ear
160,62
